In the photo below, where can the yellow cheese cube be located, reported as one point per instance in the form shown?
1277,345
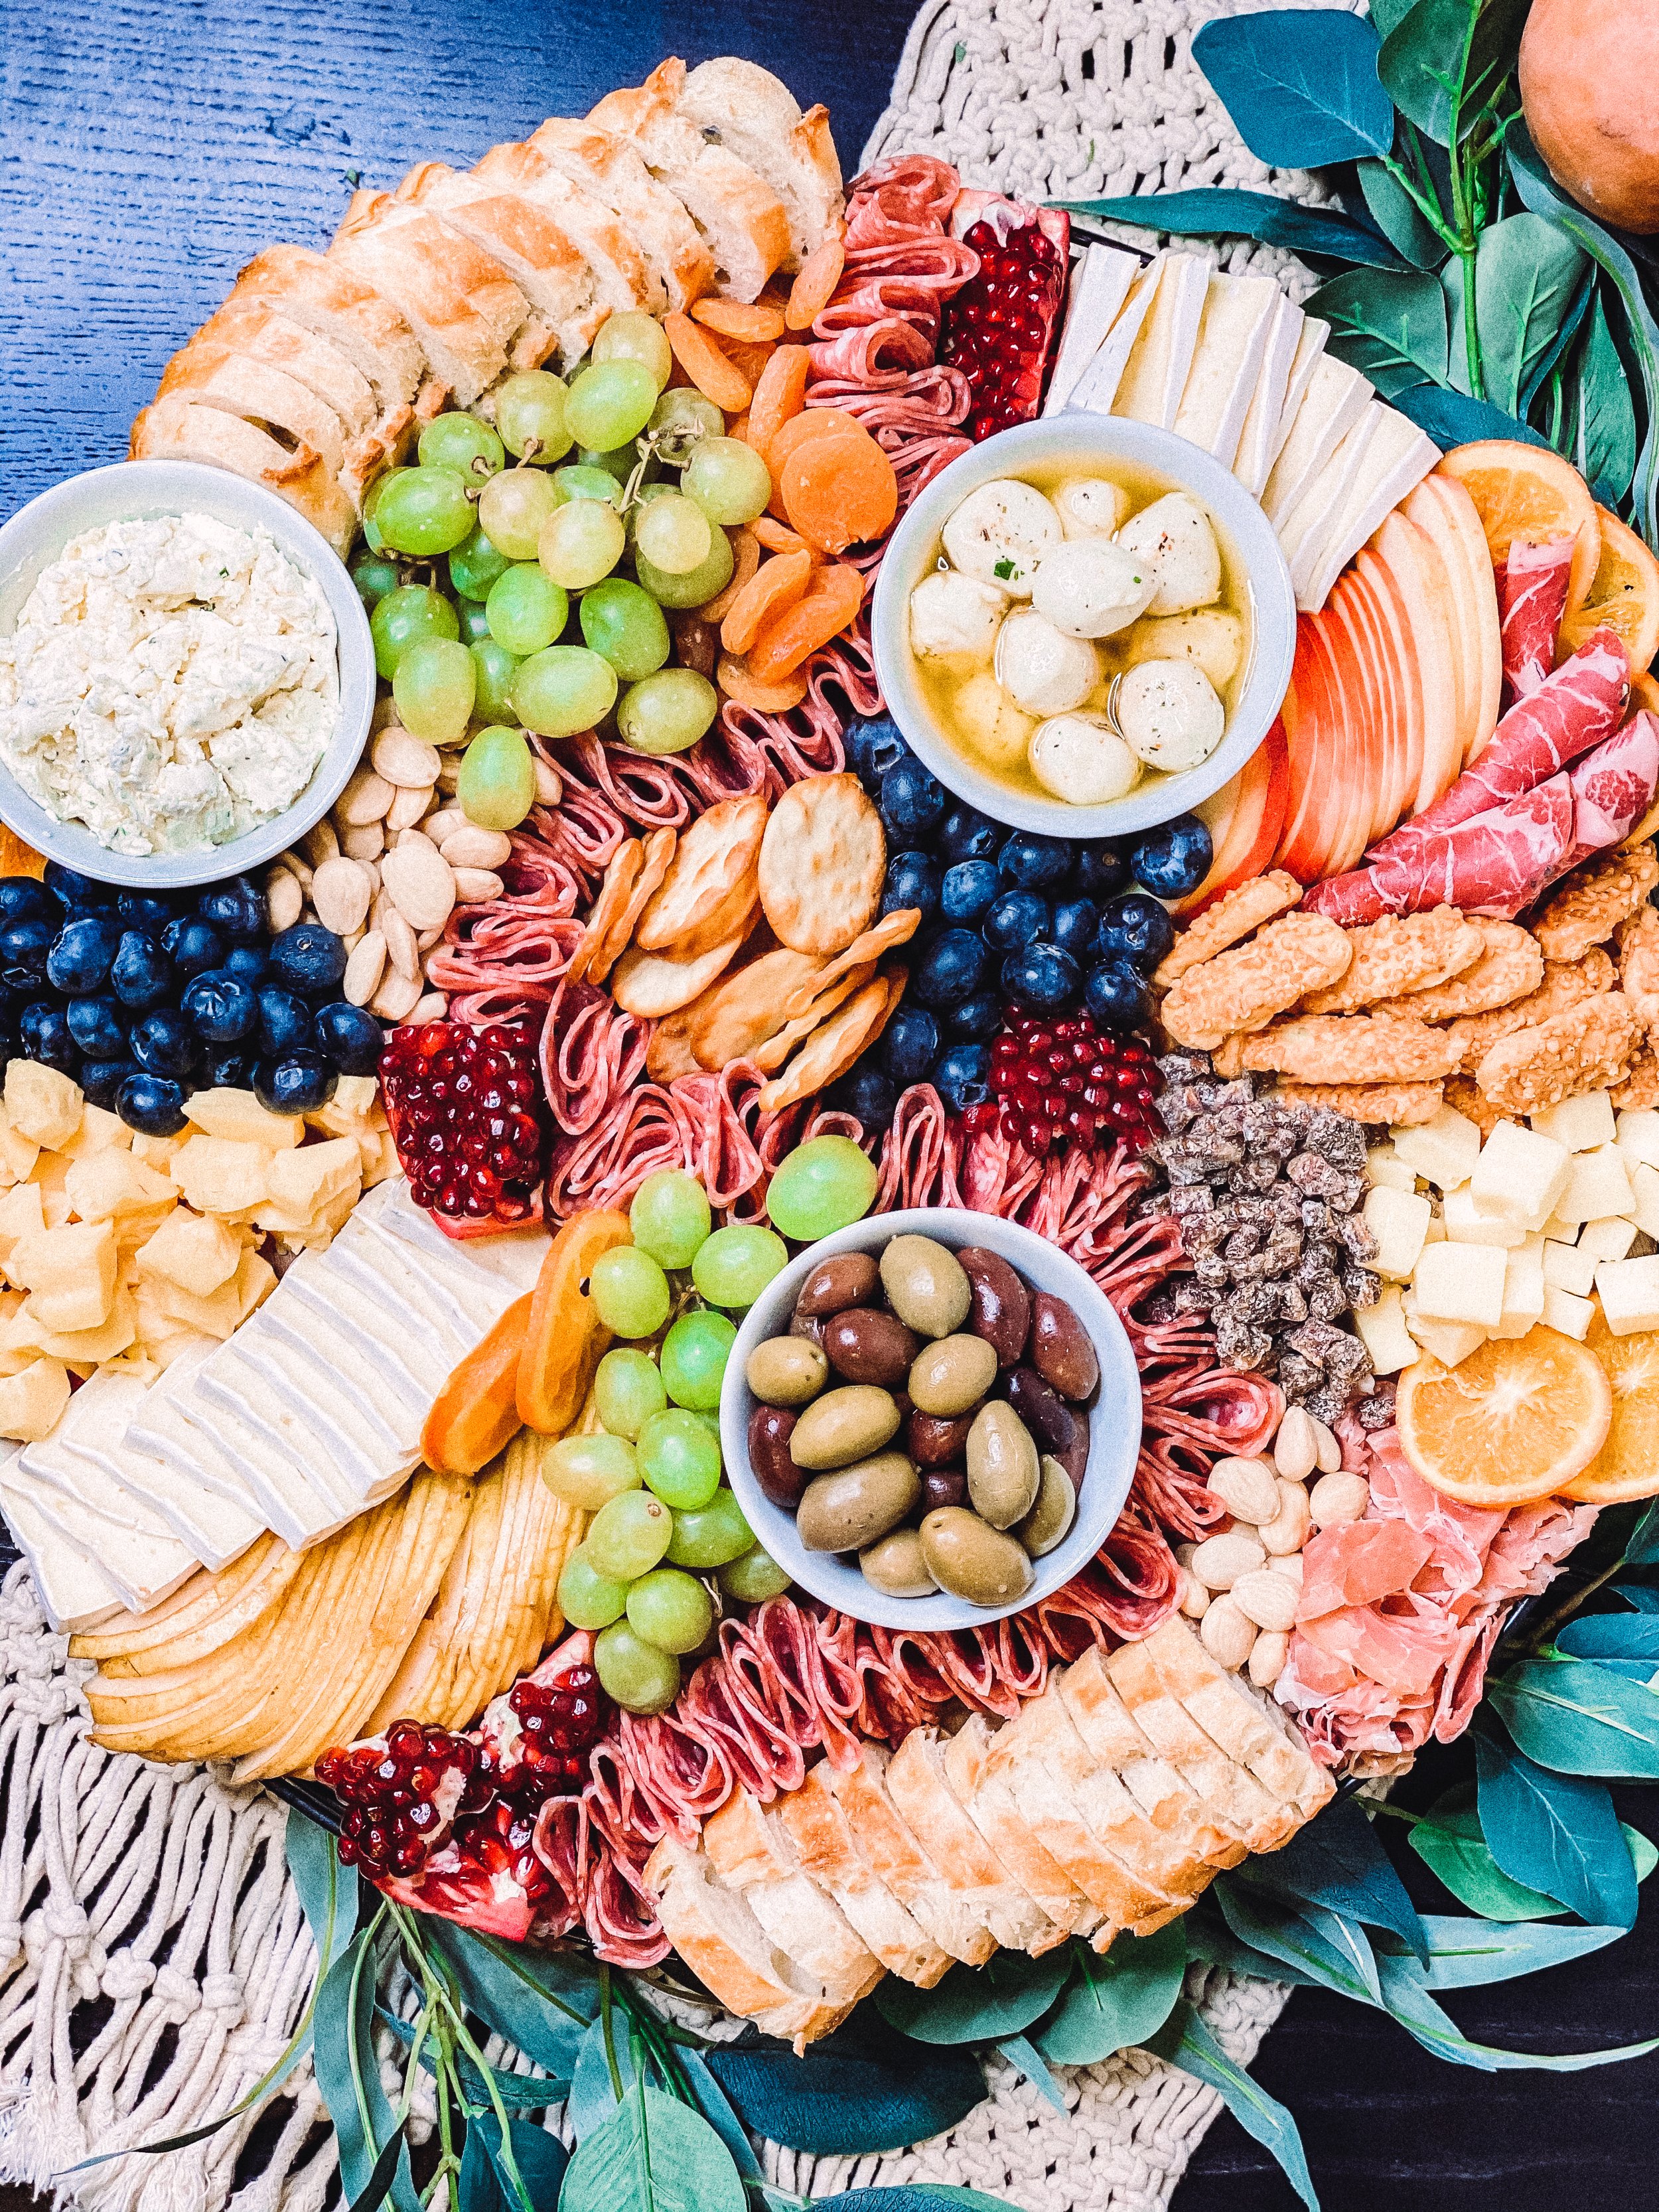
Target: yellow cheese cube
1638,1133
102,1185
385,1166
1644,1209
1629,1292
1521,1174
21,1215
1564,1310
355,1101
1461,1282
1523,1289
194,1251
218,1175
1579,1123
1383,1332
98,1133
18,1153
1450,1341
70,1272
1443,1150
32,1402
88,1345
1596,1187
308,1231
237,1117
50,1178
1567,1268
155,1151
1607,1240
314,1175
1399,1219
1562,1232
1384,1167
1467,1222
220,1311
42,1103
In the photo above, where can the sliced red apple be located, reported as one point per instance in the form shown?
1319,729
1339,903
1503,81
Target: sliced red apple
1400,644
1400,772
1359,710
1309,716
1424,511
1486,638
1254,831
1403,550
1349,609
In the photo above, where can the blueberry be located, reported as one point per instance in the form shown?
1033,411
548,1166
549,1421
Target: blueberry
152,1105
195,946
962,1077
1076,921
968,889
949,970
73,890
101,1078
23,949
965,833
1100,871
1015,919
910,1046
163,1042
307,958
250,962
912,801
220,1007
81,953
1041,977
1174,858
140,911
1117,995
298,1083
23,899
141,975
349,1038
1134,928
976,1018
44,1035
236,909
1035,863
99,1027
913,880
872,748
233,1071
867,1093
285,1022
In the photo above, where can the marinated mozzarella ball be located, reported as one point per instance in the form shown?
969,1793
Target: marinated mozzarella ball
1170,714
1091,506
956,617
1090,587
1174,534
1212,639
990,722
1042,671
1081,758
1001,532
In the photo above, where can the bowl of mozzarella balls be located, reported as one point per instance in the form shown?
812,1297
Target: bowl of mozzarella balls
1084,626
931,1418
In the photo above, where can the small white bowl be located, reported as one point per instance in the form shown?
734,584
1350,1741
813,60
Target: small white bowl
1086,441
136,491
1114,1417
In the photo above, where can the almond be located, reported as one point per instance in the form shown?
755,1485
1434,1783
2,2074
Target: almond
1296,1448
1289,1529
1336,1498
1267,1599
396,998
410,806
419,881
1268,1657
1220,1560
466,846
365,968
1226,1633
340,891
365,799
1247,1487
366,842
474,886
405,759
285,901
432,1008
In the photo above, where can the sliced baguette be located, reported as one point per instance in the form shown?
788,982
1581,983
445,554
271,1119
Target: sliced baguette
310,290
823,1842
892,1854
991,1806
179,428
264,333
1108,1730
217,375
753,114
546,263
725,1947
934,1816
752,1852
624,271
1249,1728
1235,1797
613,171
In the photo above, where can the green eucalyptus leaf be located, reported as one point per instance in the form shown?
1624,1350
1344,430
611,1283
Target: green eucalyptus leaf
1556,1833
1399,219
976,2004
1528,279
1209,1937
1452,418
1642,1547
518,2093
914,2196
1452,1848
1217,211
1388,14
1551,358
652,2155
1186,2042
328,1892
1637,1595
1405,1992
864,2088
1612,1636
1019,2053
349,2076
1391,326
1306,1938
1578,1718
593,2097
541,2001
713,2103
475,2189
1445,58
374,2190
1644,1856
1468,1954
1336,1862
1117,1999
1300,85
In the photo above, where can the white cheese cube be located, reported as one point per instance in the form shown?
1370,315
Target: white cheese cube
1383,1332
1450,1341
1580,1123
1607,1240
1567,1268
1399,1220
1469,1222
1629,1292
1461,1282
1565,1312
1562,1232
1444,1150
1597,1186
1523,1289
1436,1231
1638,1133
1385,1168
1521,1174
1643,1208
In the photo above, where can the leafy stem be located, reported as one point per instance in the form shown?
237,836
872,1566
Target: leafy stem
608,2031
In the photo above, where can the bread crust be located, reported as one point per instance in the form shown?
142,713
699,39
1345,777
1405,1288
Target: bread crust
338,306
930,1808
818,1829
894,1856
470,316
613,170
737,104
546,263
179,429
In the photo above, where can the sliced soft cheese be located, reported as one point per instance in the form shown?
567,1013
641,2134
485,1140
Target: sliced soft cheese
1156,373
74,1592
1258,439
142,1568
1303,533
1096,387
1100,284
101,1408
199,1441
1395,462
1335,398
1239,313
1309,352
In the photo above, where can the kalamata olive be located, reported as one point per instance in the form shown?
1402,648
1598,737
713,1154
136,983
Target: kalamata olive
925,1286
787,1370
769,1428
932,1440
868,1346
1001,1311
1003,1474
972,1560
842,1426
846,1279
697,642
952,1374
894,1564
849,1509
1060,1351
1075,1457
1049,1519
1043,1411
944,1485
808,1325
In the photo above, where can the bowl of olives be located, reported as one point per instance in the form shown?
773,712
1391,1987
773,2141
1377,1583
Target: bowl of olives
931,1418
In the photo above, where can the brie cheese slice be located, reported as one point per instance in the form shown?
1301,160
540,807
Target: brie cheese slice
1096,387
1333,403
1239,312
1100,284
74,1593
1395,461
1259,435
1161,358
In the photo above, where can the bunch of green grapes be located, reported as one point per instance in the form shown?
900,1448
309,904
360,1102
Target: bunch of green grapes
665,1520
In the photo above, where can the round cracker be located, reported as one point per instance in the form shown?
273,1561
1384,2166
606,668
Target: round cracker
831,1050
747,1007
822,861
649,985
619,935
710,861
614,892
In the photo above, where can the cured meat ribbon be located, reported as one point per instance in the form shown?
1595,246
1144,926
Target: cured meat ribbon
1532,598
1494,863
1612,787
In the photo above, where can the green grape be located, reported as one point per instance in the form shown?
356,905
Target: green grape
526,609
497,667
640,1678
424,511
513,508
628,1536
697,585
590,1471
628,1390
618,466
564,690
643,499
752,1578
496,787
667,712
736,1264
404,617
611,402
587,480
728,480
630,1292
529,414
624,623
474,623
680,419
461,442
821,1186
712,1538
434,686
693,1359
631,336
674,534
680,1460
670,1217
588,1599
671,1609
475,564
374,578
581,543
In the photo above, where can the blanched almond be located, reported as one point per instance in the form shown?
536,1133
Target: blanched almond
442,824
297,866
365,842
1247,1487
340,891
400,943
475,885
1329,1451
365,799
467,846
365,968
1289,1564
550,786
1226,1634
396,997
1296,1448
1288,1531
1267,1599
408,808
319,842
405,759
1195,1600
432,1008
1268,1657
419,881
1219,1560
285,901
1336,1498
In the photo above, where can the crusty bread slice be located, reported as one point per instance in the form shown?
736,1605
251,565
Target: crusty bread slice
1248,1727
819,1835
725,1947
1110,1732
991,1806
265,334
738,105
750,1851
320,295
1233,1793
178,428
892,1854
613,170
934,1816
544,260
215,375
621,248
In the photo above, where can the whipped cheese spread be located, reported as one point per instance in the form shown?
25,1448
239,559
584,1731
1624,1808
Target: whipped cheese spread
171,683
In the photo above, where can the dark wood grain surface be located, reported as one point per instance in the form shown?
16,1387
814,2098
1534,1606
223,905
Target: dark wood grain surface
146,152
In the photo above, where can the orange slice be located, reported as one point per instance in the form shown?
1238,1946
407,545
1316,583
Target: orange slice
1530,493
1627,1465
1623,595
1512,1423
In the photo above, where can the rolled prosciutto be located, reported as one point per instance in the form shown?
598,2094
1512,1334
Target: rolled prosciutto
1532,598
1494,863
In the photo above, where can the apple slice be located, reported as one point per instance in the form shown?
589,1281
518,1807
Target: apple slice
1423,511
1402,548
1309,717
1252,834
1464,518
1398,652
1350,608
1346,807
1363,708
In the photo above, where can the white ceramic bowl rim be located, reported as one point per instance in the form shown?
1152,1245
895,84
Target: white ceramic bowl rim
136,490
1088,438
1115,1418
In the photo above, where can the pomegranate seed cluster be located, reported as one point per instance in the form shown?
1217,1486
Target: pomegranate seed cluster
558,1724
1067,1082
996,328
462,1106
404,1794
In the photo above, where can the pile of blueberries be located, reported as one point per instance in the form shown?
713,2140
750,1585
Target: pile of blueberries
144,999
1012,922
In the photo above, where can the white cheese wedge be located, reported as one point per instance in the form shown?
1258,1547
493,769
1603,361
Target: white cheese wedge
1309,352
1335,398
1155,374
1442,1150
1565,1311
1388,1343
1461,1282
74,1593
103,1404
1580,1123
142,1568
1400,1221
1629,1292
1638,1133
1097,387
1395,461
199,1441
1100,284
1303,533
1567,1268
1239,312
1607,1240
1644,1189
1450,1341
1259,434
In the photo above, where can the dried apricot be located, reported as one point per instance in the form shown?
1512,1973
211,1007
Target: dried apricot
815,284
839,491
709,367
476,1414
778,584
739,684
790,637
733,320
745,554
566,1339
779,395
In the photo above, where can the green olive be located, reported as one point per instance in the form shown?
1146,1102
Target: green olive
926,1286
894,1564
972,1560
787,1370
847,1510
843,1426
1050,1519
1003,1474
952,1374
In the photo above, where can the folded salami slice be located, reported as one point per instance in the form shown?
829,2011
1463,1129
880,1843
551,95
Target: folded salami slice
1532,598
1494,863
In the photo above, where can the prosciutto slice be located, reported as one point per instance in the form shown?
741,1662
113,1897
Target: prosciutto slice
1532,598
1494,863
1613,788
